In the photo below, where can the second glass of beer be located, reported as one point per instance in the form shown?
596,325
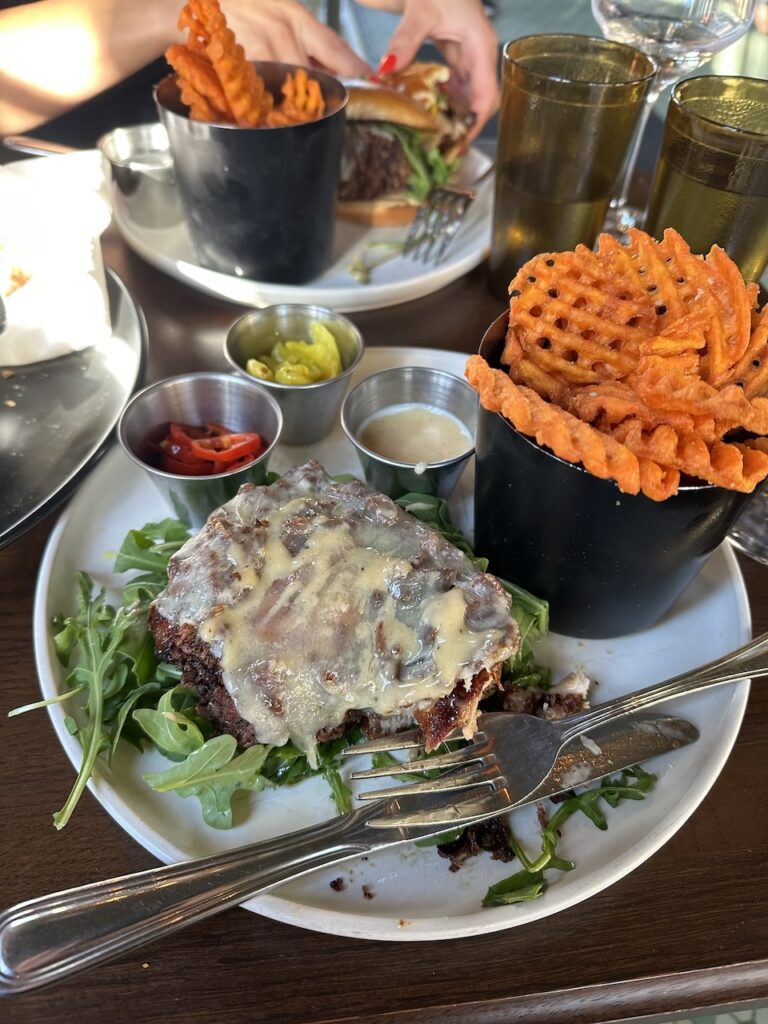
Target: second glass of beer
569,106
711,181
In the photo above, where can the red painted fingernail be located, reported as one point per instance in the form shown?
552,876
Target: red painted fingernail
387,64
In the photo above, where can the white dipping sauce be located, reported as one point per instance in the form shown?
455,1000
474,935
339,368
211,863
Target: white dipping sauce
416,434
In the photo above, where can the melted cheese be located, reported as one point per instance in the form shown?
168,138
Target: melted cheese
318,610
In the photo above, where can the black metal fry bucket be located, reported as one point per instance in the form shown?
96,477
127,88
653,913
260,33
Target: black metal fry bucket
259,202
608,563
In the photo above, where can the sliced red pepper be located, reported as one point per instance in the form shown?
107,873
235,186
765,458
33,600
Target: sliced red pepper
239,463
222,442
200,451
228,447
171,465
177,434
179,452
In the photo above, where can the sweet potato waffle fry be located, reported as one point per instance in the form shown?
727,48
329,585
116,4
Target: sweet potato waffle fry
218,84
302,100
643,362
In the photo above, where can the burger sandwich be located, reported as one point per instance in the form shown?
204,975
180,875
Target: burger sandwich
404,136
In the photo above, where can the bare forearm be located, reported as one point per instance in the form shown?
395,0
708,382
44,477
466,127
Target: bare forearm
57,53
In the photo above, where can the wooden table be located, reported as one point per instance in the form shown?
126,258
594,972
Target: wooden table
686,930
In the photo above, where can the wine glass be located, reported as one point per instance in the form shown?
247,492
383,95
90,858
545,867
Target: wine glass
680,35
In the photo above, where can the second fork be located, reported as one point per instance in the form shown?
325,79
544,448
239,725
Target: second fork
439,218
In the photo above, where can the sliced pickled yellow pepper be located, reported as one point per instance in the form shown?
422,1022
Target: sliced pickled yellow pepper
300,362
257,368
294,373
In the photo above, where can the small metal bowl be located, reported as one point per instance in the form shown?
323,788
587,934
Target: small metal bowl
139,166
309,410
199,398
405,385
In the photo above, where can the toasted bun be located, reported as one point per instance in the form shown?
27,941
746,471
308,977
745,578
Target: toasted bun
390,212
379,104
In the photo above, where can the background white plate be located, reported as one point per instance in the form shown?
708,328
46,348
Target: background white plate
415,896
396,280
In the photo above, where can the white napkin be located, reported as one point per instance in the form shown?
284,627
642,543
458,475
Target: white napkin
51,236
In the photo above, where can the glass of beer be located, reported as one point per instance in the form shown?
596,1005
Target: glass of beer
569,107
711,182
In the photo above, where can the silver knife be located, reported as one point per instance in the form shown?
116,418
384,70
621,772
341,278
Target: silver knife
49,938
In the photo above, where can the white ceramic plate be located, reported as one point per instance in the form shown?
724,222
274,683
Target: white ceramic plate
396,280
415,897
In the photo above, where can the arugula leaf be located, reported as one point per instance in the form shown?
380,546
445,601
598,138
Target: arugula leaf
150,548
440,169
114,668
124,709
175,734
383,759
529,883
429,168
340,791
98,630
420,182
213,773
287,765
442,837
521,887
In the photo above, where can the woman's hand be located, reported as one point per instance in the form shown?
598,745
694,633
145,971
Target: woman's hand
464,36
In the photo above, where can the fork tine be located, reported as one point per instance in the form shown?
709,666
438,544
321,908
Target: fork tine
433,223
414,232
451,204
450,230
438,226
418,227
453,759
454,812
436,223
410,740
475,775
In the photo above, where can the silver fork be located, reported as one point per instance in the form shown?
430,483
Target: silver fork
46,939
438,219
517,752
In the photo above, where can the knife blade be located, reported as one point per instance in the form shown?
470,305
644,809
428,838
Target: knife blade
612,748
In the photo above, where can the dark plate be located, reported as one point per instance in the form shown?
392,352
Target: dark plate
63,414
